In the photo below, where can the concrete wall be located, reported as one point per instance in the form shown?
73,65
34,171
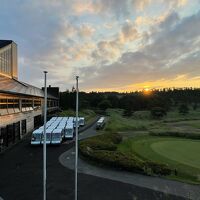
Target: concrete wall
29,116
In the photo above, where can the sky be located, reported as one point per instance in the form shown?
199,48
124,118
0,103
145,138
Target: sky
113,45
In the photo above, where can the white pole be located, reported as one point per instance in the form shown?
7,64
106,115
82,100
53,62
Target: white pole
76,144
44,142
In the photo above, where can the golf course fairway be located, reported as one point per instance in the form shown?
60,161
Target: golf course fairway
178,153
183,151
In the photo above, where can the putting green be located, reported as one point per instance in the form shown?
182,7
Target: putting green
183,151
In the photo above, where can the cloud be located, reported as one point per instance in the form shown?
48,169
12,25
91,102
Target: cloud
117,7
86,30
128,32
140,4
109,50
108,40
174,51
82,7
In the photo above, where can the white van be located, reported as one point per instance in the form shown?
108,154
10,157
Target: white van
36,137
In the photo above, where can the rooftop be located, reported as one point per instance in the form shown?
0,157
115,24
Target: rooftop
13,86
4,43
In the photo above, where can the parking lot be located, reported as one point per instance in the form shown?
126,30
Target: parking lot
21,178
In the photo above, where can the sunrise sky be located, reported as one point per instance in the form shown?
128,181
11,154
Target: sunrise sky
117,45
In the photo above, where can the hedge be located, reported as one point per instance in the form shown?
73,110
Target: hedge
102,150
193,135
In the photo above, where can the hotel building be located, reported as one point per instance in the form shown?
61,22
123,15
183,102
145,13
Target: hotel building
21,104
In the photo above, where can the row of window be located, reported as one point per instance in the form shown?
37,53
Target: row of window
5,62
10,106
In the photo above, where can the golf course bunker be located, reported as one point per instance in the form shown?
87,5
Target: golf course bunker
182,151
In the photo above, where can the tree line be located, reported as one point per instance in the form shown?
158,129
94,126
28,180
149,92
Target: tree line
133,101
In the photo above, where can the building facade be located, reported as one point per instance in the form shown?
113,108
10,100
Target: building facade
21,104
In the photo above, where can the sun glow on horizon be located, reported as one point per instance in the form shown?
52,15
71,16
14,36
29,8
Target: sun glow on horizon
147,90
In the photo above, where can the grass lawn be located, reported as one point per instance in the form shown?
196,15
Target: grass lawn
117,122
142,121
180,154
88,114
185,152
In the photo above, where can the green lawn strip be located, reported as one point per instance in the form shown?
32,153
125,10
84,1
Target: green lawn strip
142,147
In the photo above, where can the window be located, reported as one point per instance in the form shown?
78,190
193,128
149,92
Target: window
5,61
27,105
9,106
37,104
3,107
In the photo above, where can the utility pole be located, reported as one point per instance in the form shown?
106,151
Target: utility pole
76,143
44,134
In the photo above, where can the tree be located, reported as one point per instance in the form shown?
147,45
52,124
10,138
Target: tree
127,112
103,105
158,112
183,109
195,106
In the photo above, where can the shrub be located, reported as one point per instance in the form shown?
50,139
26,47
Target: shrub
183,109
102,149
158,112
115,138
114,159
98,144
158,168
176,134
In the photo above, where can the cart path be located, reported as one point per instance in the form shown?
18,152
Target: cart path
168,187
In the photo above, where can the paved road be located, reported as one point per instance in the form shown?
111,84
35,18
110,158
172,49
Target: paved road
21,178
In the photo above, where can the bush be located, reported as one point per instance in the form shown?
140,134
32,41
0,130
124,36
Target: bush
104,104
115,138
102,142
102,149
158,112
193,135
98,145
114,159
183,109
158,168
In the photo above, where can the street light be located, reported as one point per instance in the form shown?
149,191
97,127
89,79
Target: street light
44,142
76,143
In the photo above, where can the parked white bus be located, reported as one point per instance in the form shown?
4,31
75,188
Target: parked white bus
53,118
36,137
70,120
100,123
57,136
48,135
81,121
69,131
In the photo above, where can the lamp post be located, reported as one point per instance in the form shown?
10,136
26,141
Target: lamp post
76,143
44,134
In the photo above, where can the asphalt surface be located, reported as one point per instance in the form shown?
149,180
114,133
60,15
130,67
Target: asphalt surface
21,178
